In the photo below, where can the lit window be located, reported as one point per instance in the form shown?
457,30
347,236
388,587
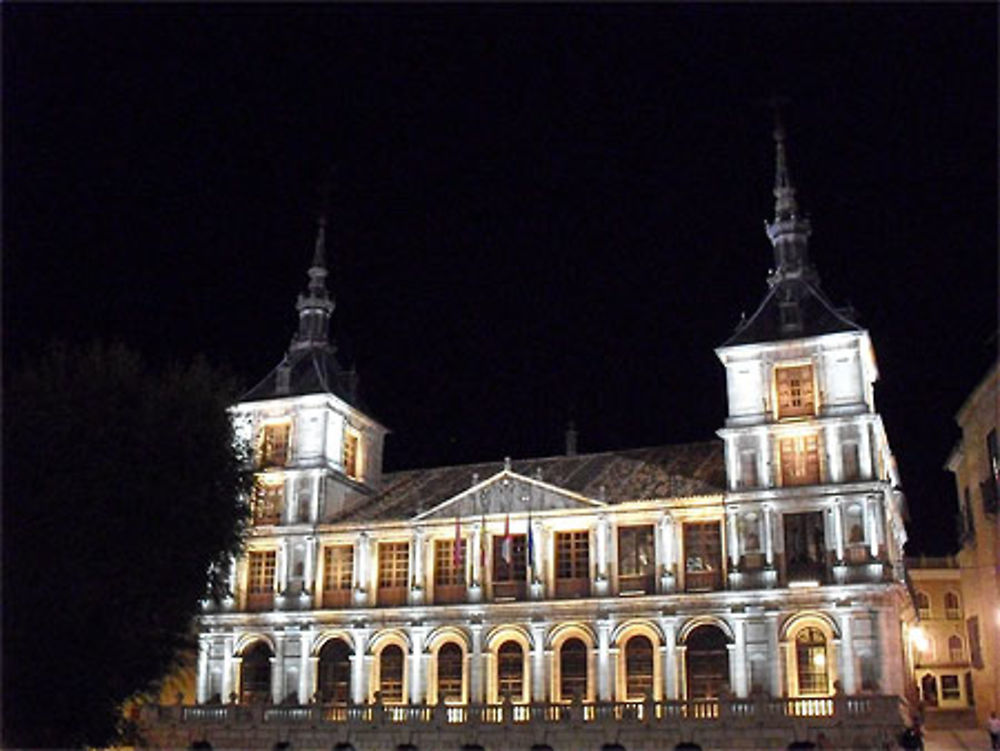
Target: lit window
449,666
260,580
510,671
794,386
952,608
335,672
635,559
799,460
572,564
955,651
393,570
805,546
272,450
811,660
702,556
509,577
923,605
350,454
573,670
638,667
268,500
449,571
391,675
338,573
255,674
949,687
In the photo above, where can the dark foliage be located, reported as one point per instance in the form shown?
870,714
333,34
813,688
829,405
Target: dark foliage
121,490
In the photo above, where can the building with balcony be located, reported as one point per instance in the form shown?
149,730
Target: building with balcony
741,592
975,461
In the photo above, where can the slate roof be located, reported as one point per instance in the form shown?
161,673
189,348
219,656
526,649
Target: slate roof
311,370
819,316
633,474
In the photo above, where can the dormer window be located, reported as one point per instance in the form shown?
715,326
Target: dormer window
350,457
795,393
272,450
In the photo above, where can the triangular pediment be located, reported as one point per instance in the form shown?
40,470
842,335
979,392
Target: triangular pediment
509,493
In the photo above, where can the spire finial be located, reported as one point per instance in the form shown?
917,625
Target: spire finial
785,205
316,306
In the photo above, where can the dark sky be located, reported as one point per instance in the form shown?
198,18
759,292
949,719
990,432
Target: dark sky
539,212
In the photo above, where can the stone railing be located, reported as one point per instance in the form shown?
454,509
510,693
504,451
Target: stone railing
855,709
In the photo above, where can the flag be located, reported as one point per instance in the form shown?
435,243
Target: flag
507,551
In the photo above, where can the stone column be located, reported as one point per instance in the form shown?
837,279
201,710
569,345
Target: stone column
473,551
732,539
417,583
738,658
477,672
307,667
538,676
768,537
871,524
359,663
314,501
228,670
681,668
848,674
665,533
278,669
605,673
281,567
838,528
774,655
204,645
417,661
601,533
669,656
362,555
309,582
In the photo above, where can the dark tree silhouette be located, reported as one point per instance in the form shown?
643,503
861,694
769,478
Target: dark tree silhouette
122,491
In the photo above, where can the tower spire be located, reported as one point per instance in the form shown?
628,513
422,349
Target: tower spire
316,306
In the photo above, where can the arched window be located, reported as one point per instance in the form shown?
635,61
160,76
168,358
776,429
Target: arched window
811,662
449,674
955,651
638,667
335,672
573,670
707,663
928,690
390,675
510,671
923,605
952,608
255,674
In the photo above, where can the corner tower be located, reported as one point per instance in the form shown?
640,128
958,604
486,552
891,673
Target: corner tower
812,501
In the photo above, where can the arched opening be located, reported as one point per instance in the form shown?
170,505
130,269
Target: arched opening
449,674
573,670
811,662
510,671
391,675
638,667
335,672
707,663
928,690
955,651
255,674
952,607
923,605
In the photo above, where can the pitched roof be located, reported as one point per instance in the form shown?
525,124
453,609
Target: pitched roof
612,476
819,316
311,370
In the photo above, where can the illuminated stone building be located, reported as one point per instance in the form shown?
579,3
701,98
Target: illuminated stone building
758,579
975,462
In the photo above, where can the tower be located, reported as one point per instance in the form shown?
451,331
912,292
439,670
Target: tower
812,501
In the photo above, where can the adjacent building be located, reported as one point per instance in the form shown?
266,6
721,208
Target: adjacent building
975,462
758,578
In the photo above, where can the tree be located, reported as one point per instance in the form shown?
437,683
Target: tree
123,497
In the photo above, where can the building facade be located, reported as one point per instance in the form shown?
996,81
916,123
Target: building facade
760,576
975,461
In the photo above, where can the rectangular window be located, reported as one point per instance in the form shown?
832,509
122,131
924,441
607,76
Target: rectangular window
636,560
393,572
509,578
748,469
449,571
702,556
350,457
268,500
338,574
272,450
850,462
260,580
572,564
805,546
949,687
794,386
799,460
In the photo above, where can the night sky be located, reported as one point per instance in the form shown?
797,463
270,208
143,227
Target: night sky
539,213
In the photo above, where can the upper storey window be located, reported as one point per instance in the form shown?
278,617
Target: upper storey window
794,387
272,449
350,457
635,559
268,501
800,460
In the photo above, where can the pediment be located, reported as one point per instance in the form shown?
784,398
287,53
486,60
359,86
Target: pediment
509,493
